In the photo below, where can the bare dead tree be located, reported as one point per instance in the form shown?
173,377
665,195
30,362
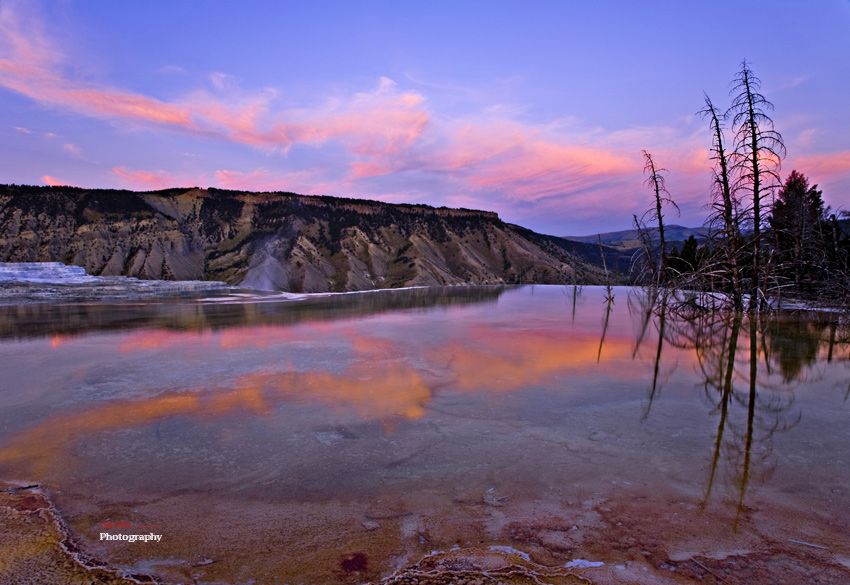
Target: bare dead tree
643,263
756,158
723,219
655,181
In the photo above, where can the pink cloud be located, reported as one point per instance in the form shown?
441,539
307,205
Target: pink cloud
388,127
52,90
118,105
822,165
623,195
380,127
30,65
371,124
259,180
304,182
361,170
240,123
474,144
378,123
689,160
54,182
381,131
387,134
150,179
518,162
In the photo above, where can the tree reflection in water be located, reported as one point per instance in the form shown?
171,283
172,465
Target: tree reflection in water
651,306
749,367
577,289
609,301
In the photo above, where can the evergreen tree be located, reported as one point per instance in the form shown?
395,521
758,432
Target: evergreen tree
797,223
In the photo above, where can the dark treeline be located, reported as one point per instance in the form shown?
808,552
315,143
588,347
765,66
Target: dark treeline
769,239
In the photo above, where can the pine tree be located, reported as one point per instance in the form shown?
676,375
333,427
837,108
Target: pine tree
797,223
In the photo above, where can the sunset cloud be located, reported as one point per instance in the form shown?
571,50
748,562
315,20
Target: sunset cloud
383,132
544,138
518,161
113,104
687,159
30,65
53,182
303,182
148,179
372,124
380,123
823,165
362,170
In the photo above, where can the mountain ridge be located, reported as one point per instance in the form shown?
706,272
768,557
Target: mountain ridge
629,239
280,241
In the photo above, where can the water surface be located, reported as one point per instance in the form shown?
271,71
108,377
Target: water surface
343,438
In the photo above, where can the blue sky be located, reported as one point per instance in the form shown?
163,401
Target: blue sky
536,110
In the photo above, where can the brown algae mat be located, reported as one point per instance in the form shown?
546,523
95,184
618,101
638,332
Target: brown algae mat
37,547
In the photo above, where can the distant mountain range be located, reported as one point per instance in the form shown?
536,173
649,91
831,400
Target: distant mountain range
675,235
284,241
628,239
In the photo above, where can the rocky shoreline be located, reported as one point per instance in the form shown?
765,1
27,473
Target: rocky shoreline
113,288
45,282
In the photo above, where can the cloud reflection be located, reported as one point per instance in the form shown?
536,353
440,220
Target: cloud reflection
386,394
378,383
506,361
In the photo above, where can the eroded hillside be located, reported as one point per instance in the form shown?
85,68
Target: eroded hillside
278,241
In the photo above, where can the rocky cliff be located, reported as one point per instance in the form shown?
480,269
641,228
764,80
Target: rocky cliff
277,241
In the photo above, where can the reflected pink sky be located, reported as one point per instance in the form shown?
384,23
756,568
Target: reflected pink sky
371,377
278,449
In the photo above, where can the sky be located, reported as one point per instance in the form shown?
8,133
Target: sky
538,110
